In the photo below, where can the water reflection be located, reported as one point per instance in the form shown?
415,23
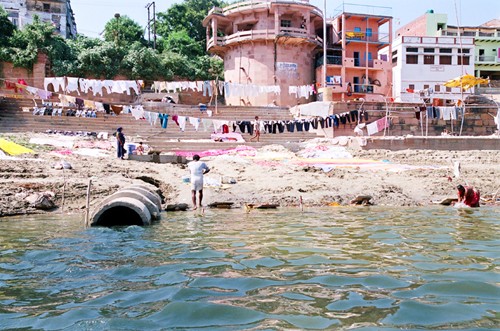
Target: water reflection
366,268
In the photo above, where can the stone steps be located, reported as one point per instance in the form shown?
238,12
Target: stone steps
13,119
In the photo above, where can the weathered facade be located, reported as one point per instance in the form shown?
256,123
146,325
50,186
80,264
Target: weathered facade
266,43
357,54
56,12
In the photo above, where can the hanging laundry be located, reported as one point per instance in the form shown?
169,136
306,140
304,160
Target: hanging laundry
194,121
163,120
182,122
44,94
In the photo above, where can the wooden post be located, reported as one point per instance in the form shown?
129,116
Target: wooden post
64,191
88,204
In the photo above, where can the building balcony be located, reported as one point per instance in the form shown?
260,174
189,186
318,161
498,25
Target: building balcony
266,34
362,64
482,59
475,34
360,36
243,6
330,60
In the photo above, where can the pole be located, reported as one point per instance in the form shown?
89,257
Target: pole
64,191
149,27
154,25
324,49
216,91
88,204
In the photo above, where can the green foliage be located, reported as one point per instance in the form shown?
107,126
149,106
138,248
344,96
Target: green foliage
6,28
209,68
143,63
187,16
123,31
177,66
181,43
180,55
103,60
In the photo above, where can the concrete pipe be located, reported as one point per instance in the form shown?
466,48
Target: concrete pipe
150,194
122,211
129,193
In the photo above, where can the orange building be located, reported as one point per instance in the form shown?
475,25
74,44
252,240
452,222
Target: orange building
358,52
280,43
266,44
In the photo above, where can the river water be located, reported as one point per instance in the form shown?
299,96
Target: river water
366,268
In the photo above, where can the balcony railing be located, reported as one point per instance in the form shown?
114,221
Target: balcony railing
254,4
262,34
477,34
489,59
330,59
365,37
363,88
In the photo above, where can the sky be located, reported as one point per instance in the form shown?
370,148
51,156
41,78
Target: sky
92,15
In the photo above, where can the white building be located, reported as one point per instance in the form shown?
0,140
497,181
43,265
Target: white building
56,12
421,65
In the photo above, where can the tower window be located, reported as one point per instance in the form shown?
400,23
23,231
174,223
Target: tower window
286,23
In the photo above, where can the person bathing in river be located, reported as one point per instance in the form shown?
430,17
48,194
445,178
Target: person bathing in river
468,195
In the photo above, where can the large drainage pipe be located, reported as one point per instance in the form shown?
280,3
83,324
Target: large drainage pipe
129,206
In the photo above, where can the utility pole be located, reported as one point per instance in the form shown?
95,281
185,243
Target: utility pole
148,6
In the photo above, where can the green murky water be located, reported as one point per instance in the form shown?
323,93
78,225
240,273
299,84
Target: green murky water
338,268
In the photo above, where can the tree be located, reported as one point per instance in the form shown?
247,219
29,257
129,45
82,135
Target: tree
101,61
209,68
186,16
143,63
70,65
123,31
177,66
36,37
180,42
6,28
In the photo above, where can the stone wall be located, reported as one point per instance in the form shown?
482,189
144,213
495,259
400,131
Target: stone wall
478,121
33,77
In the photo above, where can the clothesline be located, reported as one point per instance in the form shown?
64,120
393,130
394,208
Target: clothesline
229,89
47,95
96,86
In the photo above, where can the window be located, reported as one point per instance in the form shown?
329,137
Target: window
426,86
411,87
411,49
46,7
428,59
464,50
428,50
466,60
369,32
411,59
445,50
437,88
448,89
445,59
286,23
394,59
395,52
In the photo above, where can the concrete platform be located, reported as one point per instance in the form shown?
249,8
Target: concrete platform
445,143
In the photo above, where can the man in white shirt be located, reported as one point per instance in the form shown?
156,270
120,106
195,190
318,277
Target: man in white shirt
197,169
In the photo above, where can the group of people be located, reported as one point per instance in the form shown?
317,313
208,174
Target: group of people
120,145
467,195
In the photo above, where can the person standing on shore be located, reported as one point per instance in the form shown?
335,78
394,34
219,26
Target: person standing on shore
468,195
197,169
120,143
256,129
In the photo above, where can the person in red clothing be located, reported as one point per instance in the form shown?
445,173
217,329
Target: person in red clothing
468,195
